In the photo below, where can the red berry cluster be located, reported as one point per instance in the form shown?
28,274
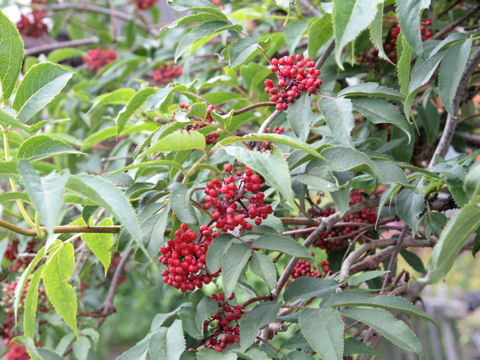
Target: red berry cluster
98,58
32,24
395,31
304,268
235,198
295,76
276,130
210,139
12,251
144,4
185,258
217,2
368,216
227,330
16,352
166,72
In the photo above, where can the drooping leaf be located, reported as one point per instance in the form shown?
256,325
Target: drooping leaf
241,50
371,89
101,244
453,65
346,24
11,56
43,146
58,270
300,116
410,205
339,116
281,243
236,257
386,325
323,329
272,166
45,192
261,315
306,287
404,55
40,85
376,32
358,298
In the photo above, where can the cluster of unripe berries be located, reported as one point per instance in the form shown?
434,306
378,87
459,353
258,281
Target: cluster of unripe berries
96,59
296,75
210,139
366,216
235,198
144,4
227,330
395,31
12,251
166,72
185,258
304,268
32,24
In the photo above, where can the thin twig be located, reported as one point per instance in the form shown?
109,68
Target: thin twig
393,259
454,24
114,229
59,45
325,55
253,106
311,8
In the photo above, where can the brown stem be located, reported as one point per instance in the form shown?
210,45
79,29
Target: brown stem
58,45
393,258
454,24
253,106
204,100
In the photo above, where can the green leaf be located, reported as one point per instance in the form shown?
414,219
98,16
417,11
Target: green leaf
206,308
281,243
101,244
12,196
293,33
107,195
81,348
167,345
307,287
45,192
371,89
7,120
23,279
202,34
453,65
260,316
210,354
58,270
133,105
376,32
275,138
30,306
339,117
323,329
354,346
386,325
413,260
178,141
365,276
409,206
39,147
350,18
300,116
241,50
319,33
160,100
458,230
358,298
235,260
472,185
180,203
216,252
381,112
408,15
98,136
40,85
11,56
272,166
117,97
404,51
263,266
65,53
430,121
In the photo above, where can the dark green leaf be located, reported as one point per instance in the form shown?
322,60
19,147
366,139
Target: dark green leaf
410,205
281,243
263,266
236,257
241,50
260,316
354,346
306,287
408,15
319,33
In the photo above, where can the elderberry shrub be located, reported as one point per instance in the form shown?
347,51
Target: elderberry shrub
296,75
96,59
166,72
32,24
226,330
144,4
325,241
